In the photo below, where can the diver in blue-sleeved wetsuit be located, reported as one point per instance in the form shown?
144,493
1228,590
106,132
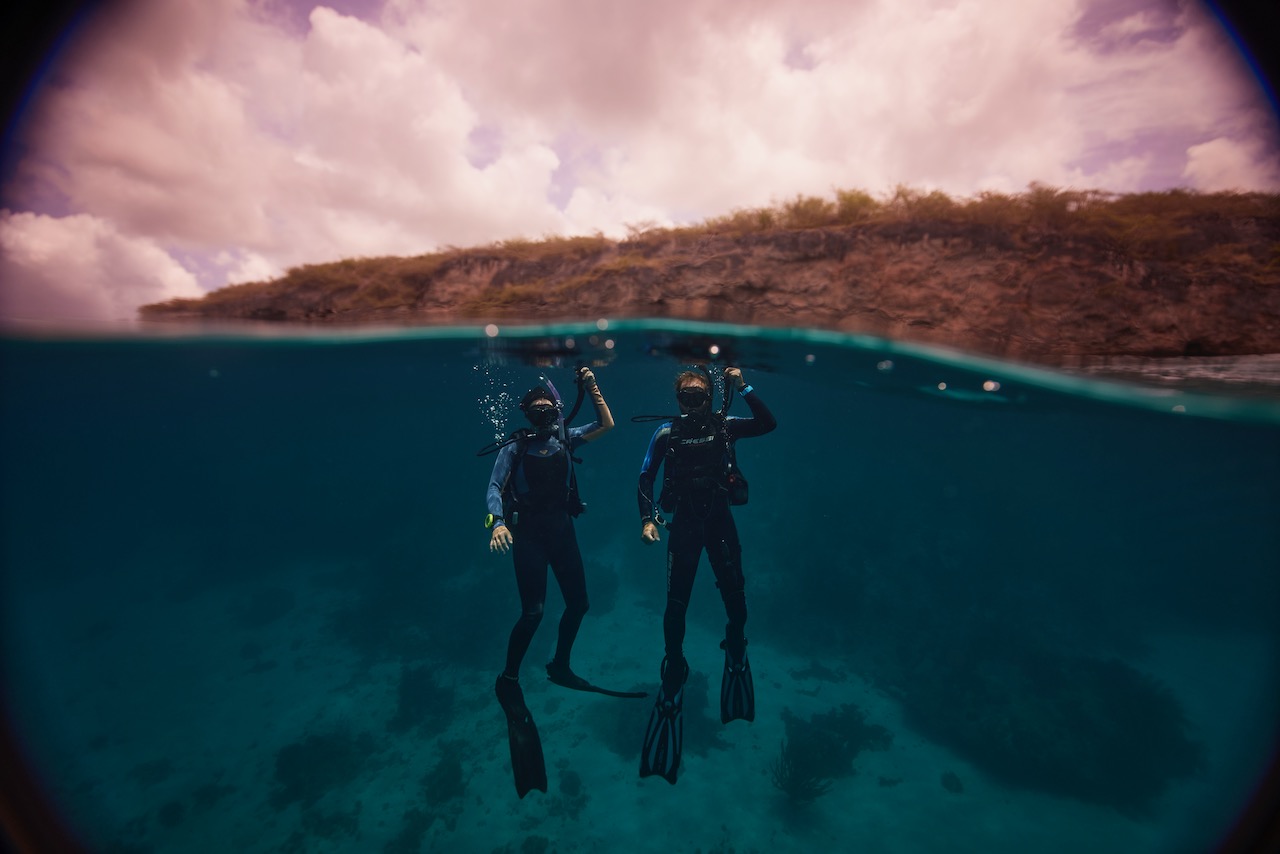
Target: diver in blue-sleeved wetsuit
540,531
695,492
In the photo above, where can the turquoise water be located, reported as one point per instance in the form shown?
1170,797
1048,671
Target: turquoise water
248,602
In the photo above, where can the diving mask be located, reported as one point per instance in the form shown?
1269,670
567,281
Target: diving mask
693,397
541,414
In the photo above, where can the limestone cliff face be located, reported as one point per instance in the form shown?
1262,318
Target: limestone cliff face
1039,295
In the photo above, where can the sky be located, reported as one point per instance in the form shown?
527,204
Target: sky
172,147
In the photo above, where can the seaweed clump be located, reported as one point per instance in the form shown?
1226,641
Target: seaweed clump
307,769
822,749
797,776
444,783
423,703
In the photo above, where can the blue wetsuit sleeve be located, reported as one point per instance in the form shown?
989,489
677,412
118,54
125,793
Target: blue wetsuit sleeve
649,470
498,480
576,433
760,422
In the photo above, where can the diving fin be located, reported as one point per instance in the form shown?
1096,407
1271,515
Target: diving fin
737,689
664,736
526,748
566,678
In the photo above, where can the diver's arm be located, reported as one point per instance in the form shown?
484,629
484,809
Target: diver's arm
604,418
500,539
648,475
761,420
498,480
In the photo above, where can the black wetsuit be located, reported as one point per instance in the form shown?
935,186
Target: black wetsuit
695,494
542,535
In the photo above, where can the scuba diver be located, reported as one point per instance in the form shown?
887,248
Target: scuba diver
700,482
532,500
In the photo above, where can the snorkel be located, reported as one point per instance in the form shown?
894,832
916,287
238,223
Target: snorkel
557,426
565,420
559,402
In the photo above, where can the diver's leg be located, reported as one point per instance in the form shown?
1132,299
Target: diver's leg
684,548
566,563
724,552
530,558
664,736
737,688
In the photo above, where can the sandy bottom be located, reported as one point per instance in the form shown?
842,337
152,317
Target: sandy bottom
174,748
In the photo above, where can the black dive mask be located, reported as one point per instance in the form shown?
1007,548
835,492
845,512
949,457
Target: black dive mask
542,415
693,398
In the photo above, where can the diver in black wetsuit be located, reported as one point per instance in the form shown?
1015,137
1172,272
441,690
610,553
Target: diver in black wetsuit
532,499
700,484
534,475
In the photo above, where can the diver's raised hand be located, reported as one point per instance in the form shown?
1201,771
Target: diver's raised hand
587,378
735,375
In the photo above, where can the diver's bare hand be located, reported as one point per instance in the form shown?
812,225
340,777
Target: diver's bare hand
735,374
649,533
500,539
588,378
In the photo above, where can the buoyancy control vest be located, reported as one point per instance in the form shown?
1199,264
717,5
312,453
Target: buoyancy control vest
701,462
550,480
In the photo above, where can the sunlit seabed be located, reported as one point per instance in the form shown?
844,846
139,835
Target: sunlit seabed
249,604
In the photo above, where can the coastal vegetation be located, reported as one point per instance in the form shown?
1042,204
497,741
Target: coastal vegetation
1046,271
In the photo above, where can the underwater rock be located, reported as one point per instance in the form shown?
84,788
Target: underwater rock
1092,729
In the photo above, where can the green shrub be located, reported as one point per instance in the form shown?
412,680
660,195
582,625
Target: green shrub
853,206
808,212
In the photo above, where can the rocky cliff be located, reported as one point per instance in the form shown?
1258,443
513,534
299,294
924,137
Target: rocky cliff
1192,279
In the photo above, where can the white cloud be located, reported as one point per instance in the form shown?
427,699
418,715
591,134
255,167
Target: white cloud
1226,164
81,268
204,127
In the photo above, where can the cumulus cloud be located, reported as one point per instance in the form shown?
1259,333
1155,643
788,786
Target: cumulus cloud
1225,164
248,136
81,268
